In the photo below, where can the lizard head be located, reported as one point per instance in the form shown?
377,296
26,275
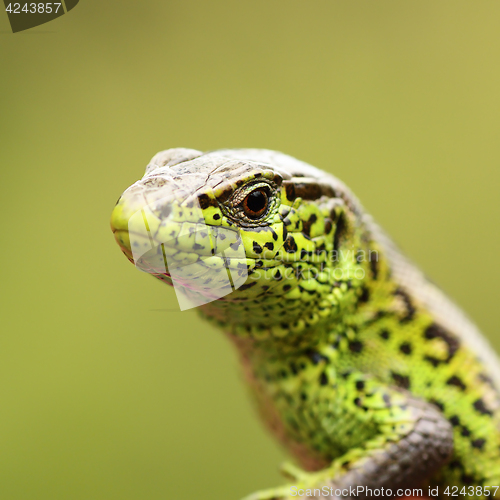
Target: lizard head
266,245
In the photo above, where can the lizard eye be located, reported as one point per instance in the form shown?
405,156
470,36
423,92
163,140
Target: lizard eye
255,204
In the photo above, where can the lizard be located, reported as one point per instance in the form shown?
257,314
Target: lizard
367,373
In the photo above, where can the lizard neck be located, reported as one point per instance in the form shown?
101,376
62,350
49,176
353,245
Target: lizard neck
318,303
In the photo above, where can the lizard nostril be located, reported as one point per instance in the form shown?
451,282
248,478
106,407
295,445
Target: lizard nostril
165,211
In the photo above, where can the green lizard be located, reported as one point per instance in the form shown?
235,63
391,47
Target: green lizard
367,373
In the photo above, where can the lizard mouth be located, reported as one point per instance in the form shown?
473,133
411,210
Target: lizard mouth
152,261
203,263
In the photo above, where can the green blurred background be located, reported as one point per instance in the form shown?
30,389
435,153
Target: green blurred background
103,393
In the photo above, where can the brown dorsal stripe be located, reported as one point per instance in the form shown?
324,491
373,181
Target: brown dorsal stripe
311,189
